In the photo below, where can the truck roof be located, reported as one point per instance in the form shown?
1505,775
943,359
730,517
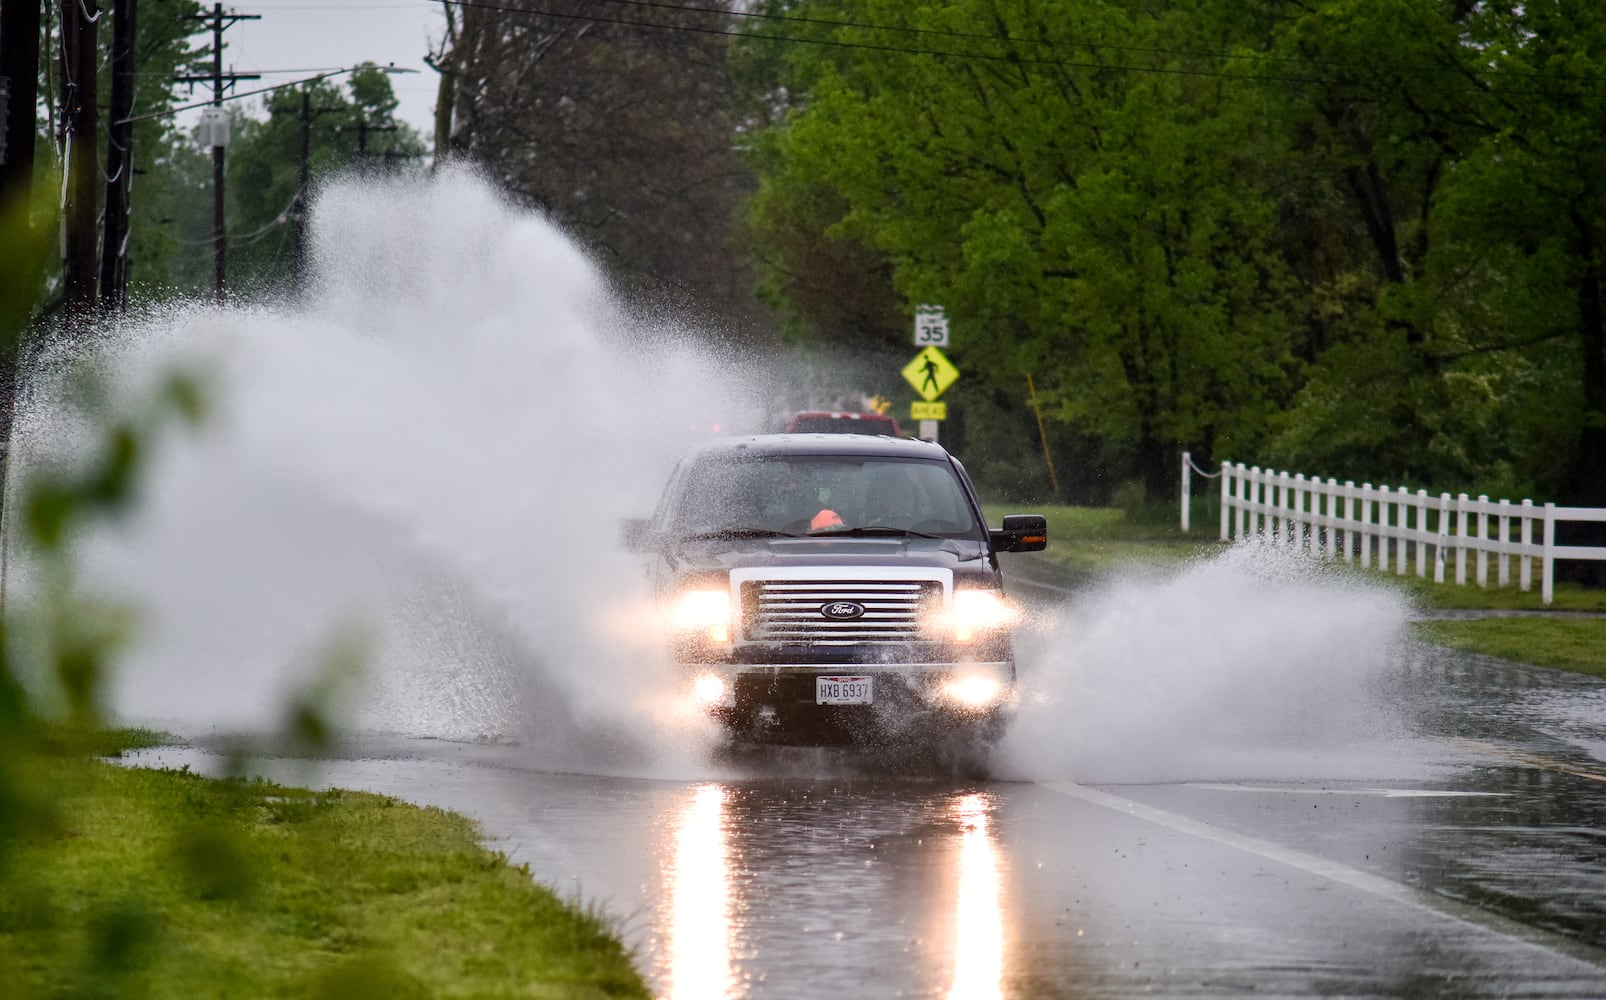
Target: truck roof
826,444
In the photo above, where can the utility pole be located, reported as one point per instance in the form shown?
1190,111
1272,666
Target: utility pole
363,128
19,121
298,210
119,162
80,120
218,134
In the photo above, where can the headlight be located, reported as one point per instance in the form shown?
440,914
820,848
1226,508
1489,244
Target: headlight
705,611
978,611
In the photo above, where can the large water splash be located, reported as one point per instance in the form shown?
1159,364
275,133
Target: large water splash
433,449
1258,662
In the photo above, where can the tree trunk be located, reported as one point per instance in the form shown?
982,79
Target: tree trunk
80,58
19,62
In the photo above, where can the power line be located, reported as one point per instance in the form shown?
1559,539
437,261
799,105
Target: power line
239,95
260,72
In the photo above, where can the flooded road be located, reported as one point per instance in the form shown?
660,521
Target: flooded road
1471,863
1223,780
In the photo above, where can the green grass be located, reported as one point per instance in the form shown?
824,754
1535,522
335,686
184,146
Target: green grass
1096,540
1101,539
1576,644
143,883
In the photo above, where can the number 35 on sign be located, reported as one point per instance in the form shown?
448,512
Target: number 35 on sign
931,326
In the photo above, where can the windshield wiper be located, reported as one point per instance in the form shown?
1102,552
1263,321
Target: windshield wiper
877,530
736,533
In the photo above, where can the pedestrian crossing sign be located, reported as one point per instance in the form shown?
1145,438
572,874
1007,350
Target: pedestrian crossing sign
930,373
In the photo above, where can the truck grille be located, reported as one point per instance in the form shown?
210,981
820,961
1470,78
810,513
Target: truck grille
792,611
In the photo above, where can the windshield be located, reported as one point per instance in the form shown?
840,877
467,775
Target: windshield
818,494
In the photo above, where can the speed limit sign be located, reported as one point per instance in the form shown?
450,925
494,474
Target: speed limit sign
931,327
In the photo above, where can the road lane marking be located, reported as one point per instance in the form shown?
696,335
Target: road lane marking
1382,793
1528,757
1343,874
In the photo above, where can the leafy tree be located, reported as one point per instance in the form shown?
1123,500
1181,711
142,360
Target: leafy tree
1093,226
1356,238
349,128
167,168
619,124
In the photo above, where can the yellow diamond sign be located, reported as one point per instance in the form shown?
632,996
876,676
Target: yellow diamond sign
930,373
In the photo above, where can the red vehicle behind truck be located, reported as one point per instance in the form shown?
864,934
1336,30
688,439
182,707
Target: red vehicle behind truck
842,422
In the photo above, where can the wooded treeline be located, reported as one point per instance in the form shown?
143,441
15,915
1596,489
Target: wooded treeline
168,179
1360,239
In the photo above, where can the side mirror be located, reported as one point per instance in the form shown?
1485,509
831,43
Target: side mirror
635,534
1021,533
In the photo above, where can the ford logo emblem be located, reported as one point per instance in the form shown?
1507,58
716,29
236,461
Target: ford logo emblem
842,611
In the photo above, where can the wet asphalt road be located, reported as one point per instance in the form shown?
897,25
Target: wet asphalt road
1475,866
1483,875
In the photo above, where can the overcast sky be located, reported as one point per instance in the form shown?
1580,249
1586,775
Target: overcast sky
300,38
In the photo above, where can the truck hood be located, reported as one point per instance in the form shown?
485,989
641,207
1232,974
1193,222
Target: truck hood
725,554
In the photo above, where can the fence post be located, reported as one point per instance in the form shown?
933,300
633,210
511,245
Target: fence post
1274,512
1483,540
1503,568
1331,548
1547,561
1403,507
1383,528
1461,540
1525,568
1421,534
1226,494
1243,486
1297,526
1256,491
1444,536
1185,490
1349,517
1366,525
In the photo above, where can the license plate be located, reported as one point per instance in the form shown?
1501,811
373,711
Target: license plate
843,691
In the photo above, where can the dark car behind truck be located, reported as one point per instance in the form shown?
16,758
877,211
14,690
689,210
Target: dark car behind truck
827,588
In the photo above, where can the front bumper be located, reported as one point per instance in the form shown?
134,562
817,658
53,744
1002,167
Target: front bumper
777,702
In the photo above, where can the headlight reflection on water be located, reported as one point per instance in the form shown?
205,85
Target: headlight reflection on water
978,910
699,887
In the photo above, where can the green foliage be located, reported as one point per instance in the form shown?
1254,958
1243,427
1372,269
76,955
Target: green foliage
133,883
163,883
1088,541
1359,239
29,228
350,127
172,178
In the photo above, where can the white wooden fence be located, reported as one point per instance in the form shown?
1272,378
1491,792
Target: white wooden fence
1379,524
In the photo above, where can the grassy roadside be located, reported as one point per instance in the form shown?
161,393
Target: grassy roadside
1091,541
144,883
